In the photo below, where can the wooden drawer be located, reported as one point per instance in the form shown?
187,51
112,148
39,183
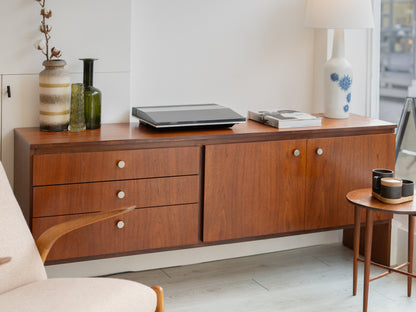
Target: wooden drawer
90,197
49,169
144,229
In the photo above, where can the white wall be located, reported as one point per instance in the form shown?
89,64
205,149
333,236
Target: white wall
81,28
239,53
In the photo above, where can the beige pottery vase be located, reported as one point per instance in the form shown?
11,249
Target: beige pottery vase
55,96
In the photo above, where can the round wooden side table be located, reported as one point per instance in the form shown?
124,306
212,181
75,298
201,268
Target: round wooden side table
362,199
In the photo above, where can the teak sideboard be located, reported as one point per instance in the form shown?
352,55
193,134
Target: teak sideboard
195,187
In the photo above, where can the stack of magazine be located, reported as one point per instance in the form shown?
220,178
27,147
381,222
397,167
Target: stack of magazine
285,118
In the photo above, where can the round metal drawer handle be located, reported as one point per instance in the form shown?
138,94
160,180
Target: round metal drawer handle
120,224
121,194
296,152
121,164
319,151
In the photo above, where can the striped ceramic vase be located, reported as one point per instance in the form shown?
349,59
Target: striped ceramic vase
55,96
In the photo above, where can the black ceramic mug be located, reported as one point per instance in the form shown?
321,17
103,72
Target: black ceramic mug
407,188
391,188
378,174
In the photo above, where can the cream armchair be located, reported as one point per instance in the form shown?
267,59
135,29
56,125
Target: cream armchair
24,286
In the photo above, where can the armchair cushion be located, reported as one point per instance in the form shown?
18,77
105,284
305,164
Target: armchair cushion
17,242
81,295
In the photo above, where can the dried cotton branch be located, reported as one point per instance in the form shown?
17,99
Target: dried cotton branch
45,29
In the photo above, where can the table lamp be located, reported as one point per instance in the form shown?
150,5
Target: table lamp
338,15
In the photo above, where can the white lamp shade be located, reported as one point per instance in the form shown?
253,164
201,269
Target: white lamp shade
332,14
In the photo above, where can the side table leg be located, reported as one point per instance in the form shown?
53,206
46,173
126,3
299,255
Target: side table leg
357,228
410,253
367,262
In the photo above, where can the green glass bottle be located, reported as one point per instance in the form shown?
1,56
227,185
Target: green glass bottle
92,97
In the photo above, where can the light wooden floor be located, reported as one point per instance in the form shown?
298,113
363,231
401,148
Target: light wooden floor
307,279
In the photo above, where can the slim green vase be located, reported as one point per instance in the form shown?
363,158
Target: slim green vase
92,97
77,117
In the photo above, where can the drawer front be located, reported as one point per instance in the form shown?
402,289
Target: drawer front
144,229
52,169
90,197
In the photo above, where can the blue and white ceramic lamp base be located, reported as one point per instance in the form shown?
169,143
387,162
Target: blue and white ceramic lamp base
337,88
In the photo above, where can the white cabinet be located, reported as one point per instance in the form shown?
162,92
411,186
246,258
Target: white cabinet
21,109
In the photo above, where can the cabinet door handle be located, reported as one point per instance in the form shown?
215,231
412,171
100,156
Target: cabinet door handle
319,151
121,194
296,152
121,164
120,224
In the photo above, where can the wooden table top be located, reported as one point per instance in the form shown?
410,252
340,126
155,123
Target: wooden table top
354,125
364,199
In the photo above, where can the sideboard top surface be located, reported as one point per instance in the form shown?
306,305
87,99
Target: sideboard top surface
136,135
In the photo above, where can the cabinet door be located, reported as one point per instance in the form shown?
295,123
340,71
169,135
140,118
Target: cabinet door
344,165
253,189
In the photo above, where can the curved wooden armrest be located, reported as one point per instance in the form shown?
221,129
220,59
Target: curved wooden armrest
51,235
160,298
4,260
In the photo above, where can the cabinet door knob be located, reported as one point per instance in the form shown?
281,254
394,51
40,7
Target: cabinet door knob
121,194
319,151
296,152
120,224
121,164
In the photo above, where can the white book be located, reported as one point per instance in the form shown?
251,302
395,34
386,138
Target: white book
285,118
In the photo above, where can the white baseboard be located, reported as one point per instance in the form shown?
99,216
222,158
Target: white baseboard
190,256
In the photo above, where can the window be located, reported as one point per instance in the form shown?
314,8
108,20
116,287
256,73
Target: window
397,70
